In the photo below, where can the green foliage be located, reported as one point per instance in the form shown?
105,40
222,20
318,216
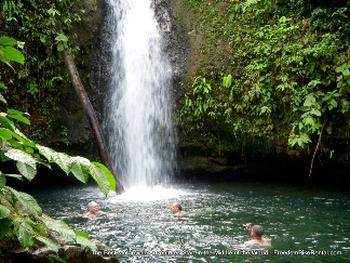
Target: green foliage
286,74
44,29
8,52
20,211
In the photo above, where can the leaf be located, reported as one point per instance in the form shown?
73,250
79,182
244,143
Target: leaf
334,103
22,138
45,151
304,138
27,201
5,134
4,212
61,38
7,41
5,225
227,81
109,175
17,176
100,177
62,160
60,47
6,123
9,54
19,155
84,240
2,180
316,112
48,242
2,99
61,228
310,100
24,232
80,168
18,115
26,170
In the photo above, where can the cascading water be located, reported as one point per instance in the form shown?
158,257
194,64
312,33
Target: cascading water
139,112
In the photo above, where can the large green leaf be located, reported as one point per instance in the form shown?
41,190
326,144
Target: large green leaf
4,121
109,176
19,155
18,115
24,232
26,170
23,139
80,168
60,227
84,240
7,41
4,212
8,54
100,177
45,151
62,160
27,200
5,134
5,225
48,242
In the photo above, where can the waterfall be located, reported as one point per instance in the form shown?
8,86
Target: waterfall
138,105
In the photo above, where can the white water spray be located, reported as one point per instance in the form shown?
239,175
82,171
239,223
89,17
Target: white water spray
139,118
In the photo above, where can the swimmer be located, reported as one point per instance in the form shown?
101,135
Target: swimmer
176,210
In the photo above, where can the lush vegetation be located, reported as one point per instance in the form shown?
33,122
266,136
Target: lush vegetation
43,28
19,212
275,71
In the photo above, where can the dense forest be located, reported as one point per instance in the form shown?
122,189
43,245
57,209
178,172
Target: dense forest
270,76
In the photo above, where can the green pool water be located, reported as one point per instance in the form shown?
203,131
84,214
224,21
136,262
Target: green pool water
306,224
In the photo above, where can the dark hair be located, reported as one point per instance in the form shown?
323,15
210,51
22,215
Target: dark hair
178,206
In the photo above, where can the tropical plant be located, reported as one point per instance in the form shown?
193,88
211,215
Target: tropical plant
45,27
18,210
285,78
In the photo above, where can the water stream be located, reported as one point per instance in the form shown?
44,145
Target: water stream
138,105
141,229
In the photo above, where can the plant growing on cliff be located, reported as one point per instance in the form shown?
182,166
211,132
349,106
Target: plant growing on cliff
18,210
286,78
42,26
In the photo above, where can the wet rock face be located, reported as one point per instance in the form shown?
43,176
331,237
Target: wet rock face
175,41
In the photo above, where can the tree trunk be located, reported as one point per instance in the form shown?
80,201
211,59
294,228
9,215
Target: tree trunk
95,126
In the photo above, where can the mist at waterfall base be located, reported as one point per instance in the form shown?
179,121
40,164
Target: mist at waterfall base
138,108
313,222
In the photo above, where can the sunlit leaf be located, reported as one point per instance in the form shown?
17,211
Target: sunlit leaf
60,227
100,177
109,175
48,242
62,160
26,170
4,212
18,115
27,201
46,152
84,240
24,232
80,168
